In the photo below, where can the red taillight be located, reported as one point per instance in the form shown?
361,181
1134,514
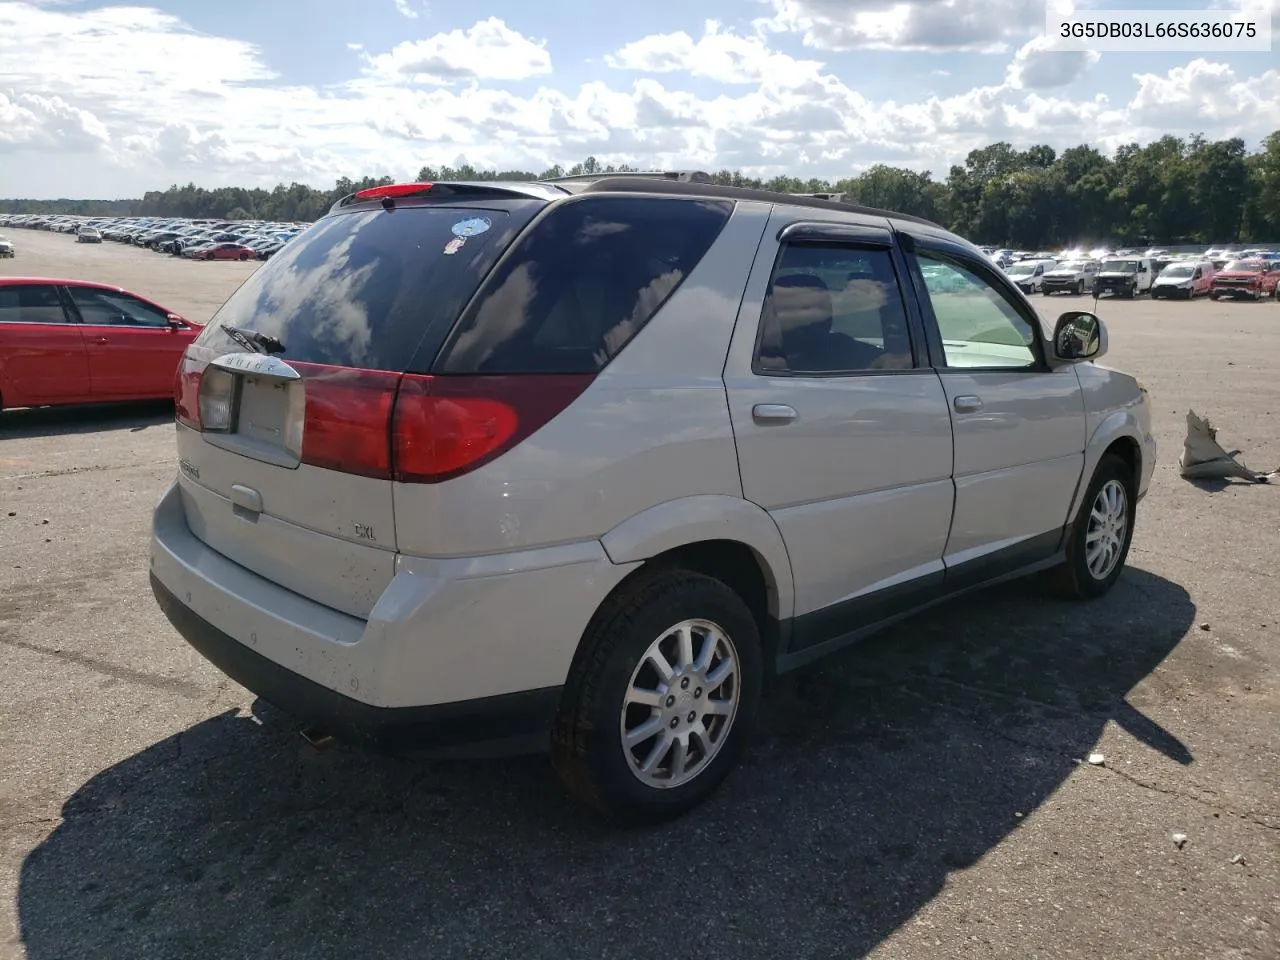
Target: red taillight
186,392
422,429
436,436
347,418
393,190
407,427
444,427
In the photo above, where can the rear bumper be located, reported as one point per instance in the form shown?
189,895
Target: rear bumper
523,717
456,651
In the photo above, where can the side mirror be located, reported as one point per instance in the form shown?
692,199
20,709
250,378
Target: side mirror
1079,336
175,322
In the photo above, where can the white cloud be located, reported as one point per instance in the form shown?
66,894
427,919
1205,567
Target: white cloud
490,50
983,26
1038,65
120,100
406,8
1265,7
721,56
1206,94
29,120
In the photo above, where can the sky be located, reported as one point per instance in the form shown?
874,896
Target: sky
108,100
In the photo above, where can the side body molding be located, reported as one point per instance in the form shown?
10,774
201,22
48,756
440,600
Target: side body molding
689,520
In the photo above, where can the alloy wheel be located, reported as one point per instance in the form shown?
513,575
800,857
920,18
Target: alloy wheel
1108,528
680,704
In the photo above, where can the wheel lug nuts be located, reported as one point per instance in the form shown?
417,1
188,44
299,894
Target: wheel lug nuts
675,722
697,692
671,701
692,716
684,684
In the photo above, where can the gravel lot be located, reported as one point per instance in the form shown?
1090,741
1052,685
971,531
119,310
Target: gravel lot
922,796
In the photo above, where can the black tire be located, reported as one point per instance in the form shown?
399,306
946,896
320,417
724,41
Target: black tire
1079,288
1073,579
586,743
244,256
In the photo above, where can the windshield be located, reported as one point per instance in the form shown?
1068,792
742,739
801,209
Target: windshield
1249,266
1120,266
1076,265
360,289
1178,270
1022,269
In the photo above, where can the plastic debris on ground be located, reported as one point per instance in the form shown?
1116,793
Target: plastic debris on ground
1203,458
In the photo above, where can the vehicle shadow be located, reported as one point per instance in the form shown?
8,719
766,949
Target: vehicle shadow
878,773
32,422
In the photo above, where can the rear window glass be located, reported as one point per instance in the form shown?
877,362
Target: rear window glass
581,283
360,289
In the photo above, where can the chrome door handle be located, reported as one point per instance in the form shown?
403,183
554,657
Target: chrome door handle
101,340
773,413
967,404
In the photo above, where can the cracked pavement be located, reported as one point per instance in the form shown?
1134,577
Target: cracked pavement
926,795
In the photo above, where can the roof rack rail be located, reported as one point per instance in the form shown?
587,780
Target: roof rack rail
833,197
683,176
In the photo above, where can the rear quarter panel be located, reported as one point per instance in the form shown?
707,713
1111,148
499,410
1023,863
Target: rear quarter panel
653,427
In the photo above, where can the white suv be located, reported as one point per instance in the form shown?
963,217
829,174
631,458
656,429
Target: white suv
576,464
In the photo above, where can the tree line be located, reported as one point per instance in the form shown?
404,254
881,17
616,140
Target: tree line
1174,190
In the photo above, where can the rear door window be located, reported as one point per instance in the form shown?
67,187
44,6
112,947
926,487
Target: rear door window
833,309
581,283
31,303
361,289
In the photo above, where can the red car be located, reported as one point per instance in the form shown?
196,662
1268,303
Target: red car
221,251
68,341
1252,278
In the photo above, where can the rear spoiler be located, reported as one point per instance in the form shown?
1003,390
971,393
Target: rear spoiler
509,189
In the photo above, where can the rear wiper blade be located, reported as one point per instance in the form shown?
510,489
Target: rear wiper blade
252,339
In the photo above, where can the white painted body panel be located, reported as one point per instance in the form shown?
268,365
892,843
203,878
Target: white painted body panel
860,483
306,512
1017,460
443,631
1116,406
652,427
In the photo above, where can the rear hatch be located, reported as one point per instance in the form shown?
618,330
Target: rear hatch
284,401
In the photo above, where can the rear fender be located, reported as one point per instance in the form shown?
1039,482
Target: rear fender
689,520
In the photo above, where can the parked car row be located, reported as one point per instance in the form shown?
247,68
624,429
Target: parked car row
1255,277
194,239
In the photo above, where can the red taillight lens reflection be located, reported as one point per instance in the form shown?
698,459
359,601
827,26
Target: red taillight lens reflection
347,418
